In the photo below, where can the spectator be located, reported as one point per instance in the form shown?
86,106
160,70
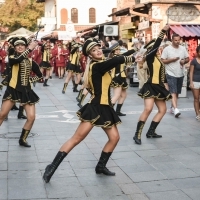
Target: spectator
195,81
174,57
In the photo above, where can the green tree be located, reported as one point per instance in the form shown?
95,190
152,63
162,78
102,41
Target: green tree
15,14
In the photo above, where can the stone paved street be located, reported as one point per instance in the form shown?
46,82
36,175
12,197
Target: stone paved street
159,169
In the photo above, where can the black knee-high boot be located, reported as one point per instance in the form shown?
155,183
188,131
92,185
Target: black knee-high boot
81,100
45,82
23,137
21,113
151,132
138,132
14,107
64,88
101,165
75,88
51,168
79,95
118,110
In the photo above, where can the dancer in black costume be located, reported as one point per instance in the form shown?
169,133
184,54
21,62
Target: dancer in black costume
97,112
19,86
153,91
119,83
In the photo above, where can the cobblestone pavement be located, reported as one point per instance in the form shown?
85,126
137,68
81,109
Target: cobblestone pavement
159,169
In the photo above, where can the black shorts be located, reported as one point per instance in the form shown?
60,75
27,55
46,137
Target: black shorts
175,84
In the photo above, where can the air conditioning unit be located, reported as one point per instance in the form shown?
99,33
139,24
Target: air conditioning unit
110,30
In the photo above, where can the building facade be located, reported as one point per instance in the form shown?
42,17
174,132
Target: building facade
83,14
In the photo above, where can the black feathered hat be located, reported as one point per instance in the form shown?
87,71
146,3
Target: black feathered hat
89,44
19,40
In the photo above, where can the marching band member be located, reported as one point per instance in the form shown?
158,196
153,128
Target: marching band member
19,86
46,58
73,67
97,112
153,91
119,83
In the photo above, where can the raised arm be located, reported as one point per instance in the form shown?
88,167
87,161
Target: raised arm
107,65
129,52
157,43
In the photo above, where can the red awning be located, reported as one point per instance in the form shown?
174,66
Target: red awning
186,30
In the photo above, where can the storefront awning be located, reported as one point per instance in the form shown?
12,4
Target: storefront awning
186,30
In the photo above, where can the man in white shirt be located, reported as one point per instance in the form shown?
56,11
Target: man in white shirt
174,57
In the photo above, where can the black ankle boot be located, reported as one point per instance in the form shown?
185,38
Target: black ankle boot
79,95
151,132
22,140
118,110
45,83
138,132
21,113
75,88
64,88
81,100
101,165
14,107
51,168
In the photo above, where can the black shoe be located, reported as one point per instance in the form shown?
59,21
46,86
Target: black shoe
50,169
24,144
21,116
153,135
120,114
138,132
6,119
75,90
50,77
22,140
137,140
45,85
151,132
14,107
79,105
101,166
104,171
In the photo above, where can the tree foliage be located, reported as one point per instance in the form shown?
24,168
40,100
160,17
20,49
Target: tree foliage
15,14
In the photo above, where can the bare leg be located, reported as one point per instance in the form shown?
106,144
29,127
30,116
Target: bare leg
148,106
162,108
59,72
30,113
113,139
69,75
122,97
5,109
174,100
117,92
81,132
196,93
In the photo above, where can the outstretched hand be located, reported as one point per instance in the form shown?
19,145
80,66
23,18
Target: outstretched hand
166,27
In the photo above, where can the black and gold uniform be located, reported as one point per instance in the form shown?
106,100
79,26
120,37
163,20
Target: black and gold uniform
118,73
154,87
74,60
19,81
46,56
99,110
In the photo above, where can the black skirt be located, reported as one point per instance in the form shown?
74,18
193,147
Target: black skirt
155,91
45,65
99,115
119,81
74,68
23,97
